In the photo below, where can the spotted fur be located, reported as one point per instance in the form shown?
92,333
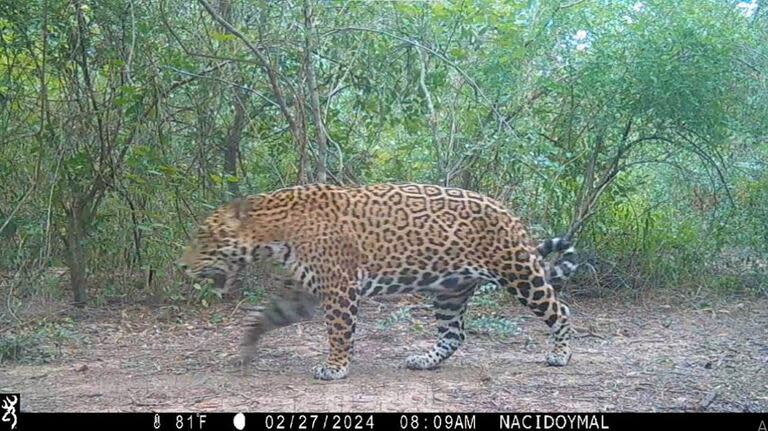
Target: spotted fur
340,244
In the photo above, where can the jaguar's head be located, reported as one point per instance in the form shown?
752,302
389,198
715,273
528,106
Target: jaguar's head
219,250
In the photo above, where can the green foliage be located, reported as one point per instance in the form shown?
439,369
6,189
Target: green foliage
255,296
206,293
122,124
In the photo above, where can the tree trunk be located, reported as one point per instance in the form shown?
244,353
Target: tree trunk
235,133
303,141
75,254
232,142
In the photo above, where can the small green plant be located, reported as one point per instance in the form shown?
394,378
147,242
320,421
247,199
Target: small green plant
206,293
254,296
492,325
401,315
418,328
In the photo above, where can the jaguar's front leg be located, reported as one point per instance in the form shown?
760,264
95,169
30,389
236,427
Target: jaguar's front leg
340,305
295,305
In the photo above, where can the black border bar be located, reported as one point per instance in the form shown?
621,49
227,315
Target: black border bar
193,421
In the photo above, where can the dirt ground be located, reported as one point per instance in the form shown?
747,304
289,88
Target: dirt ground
628,356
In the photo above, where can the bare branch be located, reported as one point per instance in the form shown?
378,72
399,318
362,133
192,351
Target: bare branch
478,91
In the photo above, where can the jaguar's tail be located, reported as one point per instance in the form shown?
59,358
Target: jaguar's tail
564,266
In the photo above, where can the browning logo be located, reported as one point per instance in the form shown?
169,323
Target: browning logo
9,406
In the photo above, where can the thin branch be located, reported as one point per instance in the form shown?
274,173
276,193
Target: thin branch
259,56
571,4
132,45
432,118
707,158
54,183
24,197
478,91
193,75
321,134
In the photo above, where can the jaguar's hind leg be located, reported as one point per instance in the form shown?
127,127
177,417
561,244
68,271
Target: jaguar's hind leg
528,283
449,312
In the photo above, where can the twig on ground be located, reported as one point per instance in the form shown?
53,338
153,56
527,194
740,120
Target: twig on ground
707,400
237,307
584,333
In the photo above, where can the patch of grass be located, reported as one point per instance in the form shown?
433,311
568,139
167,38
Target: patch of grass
38,344
487,289
255,296
171,288
731,284
491,299
215,319
42,283
492,325
22,348
401,315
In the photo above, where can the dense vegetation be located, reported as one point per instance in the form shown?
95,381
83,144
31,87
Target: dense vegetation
638,127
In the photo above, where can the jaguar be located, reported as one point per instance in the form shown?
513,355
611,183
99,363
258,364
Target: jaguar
340,244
